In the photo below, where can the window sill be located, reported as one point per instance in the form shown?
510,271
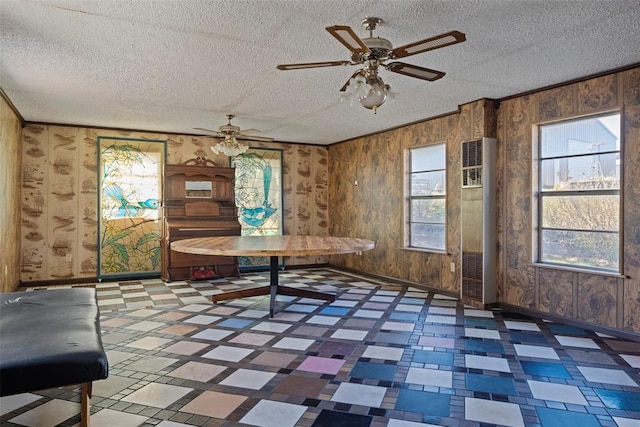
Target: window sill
429,251
580,270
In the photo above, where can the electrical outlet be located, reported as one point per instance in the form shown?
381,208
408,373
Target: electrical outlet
453,267
6,269
68,257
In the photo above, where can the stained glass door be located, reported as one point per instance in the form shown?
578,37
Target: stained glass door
129,200
259,196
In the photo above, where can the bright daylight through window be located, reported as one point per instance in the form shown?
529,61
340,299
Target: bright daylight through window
579,183
427,198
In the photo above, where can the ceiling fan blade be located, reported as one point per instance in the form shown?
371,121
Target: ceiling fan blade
248,131
414,71
312,65
343,88
254,138
442,40
348,38
207,130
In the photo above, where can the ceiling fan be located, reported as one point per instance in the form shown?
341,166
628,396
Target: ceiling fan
373,53
229,131
232,134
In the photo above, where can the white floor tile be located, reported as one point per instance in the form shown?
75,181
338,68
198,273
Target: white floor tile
359,394
157,395
323,320
576,342
430,377
212,334
557,392
110,418
11,403
521,326
481,333
248,378
271,327
230,354
350,334
398,326
492,412
536,351
633,361
606,376
626,422
49,414
293,343
385,353
486,362
268,413
202,319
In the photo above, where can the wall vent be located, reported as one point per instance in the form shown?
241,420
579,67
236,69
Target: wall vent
472,164
472,275
478,217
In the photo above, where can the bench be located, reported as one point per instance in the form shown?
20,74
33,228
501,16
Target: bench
51,339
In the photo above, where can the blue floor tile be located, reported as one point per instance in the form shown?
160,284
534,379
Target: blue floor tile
542,369
424,402
528,337
235,323
558,328
484,346
562,418
376,371
490,384
619,399
335,311
433,357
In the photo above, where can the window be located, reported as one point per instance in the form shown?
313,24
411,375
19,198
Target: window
579,193
427,197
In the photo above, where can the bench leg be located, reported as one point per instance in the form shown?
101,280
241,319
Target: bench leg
85,414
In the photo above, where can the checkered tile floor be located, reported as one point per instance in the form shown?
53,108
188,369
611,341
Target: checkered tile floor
380,355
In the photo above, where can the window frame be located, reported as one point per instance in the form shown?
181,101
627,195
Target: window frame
410,198
540,194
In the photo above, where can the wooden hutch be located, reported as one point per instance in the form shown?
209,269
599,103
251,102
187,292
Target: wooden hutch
199,201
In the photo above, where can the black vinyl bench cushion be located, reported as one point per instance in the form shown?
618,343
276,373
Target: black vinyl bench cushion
50,339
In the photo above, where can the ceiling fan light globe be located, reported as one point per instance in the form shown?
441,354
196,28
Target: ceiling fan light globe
376,96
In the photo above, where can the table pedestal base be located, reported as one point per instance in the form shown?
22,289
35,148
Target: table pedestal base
273,289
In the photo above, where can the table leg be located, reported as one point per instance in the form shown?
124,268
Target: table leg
273,284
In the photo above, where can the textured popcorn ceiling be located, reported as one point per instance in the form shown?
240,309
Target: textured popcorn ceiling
174,65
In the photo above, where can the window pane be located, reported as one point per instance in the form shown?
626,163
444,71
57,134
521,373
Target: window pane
428,210
581,248
598,213
582,136
428,183
428,158
428,236
591,172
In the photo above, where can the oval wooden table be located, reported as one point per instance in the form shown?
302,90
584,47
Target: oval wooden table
273,247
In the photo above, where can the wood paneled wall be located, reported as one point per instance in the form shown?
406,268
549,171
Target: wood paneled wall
10,161
603,300
374,208
59,194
